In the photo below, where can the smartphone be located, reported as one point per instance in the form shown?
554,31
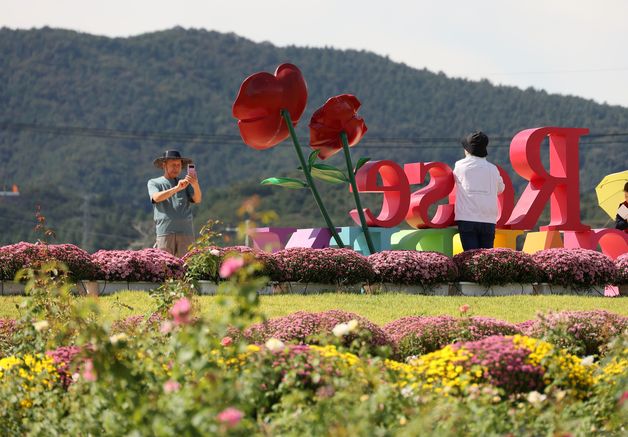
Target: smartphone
191,170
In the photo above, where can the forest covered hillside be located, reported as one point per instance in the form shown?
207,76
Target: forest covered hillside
82,117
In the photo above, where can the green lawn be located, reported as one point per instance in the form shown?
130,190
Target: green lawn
377,308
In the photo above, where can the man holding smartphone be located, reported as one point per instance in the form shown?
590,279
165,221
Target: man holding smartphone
172,198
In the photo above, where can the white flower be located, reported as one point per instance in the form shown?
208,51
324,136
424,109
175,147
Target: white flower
42,325
275,345
587,361
352,325
214,252
114,339
560,395
407,391
166,327
534,397
341,329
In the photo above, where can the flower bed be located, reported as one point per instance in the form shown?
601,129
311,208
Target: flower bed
152,265
302,326
236,386
514,364
411,267
28,255
621,263
580,332
575,268
325,266
416,335
496,267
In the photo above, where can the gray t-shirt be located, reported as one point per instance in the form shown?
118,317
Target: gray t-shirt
173,215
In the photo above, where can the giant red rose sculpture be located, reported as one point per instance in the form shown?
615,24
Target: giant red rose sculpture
260,100
334,127
268,108
337,115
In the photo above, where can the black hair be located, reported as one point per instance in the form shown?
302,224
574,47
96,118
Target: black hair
626,187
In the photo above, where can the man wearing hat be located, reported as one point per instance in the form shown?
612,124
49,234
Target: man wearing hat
172,198
477,185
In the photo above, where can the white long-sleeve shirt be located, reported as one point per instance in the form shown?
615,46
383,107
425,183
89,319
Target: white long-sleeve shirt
477,185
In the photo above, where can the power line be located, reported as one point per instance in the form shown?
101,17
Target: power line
189,137
584,70
104,234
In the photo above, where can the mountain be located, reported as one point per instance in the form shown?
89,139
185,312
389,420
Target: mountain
83,116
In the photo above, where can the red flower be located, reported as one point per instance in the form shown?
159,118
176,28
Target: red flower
338,114
260,100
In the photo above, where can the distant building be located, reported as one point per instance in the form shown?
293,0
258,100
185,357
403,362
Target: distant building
15,191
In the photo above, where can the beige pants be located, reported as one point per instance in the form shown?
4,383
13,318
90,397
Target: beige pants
176,244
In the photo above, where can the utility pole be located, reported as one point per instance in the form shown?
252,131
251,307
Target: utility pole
85,243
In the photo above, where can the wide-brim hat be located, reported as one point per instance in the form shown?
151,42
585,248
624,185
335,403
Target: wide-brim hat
475,143
171,154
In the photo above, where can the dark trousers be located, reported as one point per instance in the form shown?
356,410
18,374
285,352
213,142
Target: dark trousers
476,235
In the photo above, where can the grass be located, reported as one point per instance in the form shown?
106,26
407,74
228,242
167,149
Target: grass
380,308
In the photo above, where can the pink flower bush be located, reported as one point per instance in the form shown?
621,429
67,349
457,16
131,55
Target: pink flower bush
506,364
301,326
417,335
153,265
28,255
575,268
326,266
622,269
583,333
496,266
412,267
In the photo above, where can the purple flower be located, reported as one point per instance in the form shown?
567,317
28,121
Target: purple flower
412,267
506,364
621,263
417,335
28,255
64,358
576,268
153,265
326,266
496,266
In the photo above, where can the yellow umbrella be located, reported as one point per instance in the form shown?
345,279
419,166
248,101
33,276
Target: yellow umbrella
610,192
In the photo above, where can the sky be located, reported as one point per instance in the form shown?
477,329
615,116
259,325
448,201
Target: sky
576,47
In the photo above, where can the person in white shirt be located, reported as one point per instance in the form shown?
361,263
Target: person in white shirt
477,185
